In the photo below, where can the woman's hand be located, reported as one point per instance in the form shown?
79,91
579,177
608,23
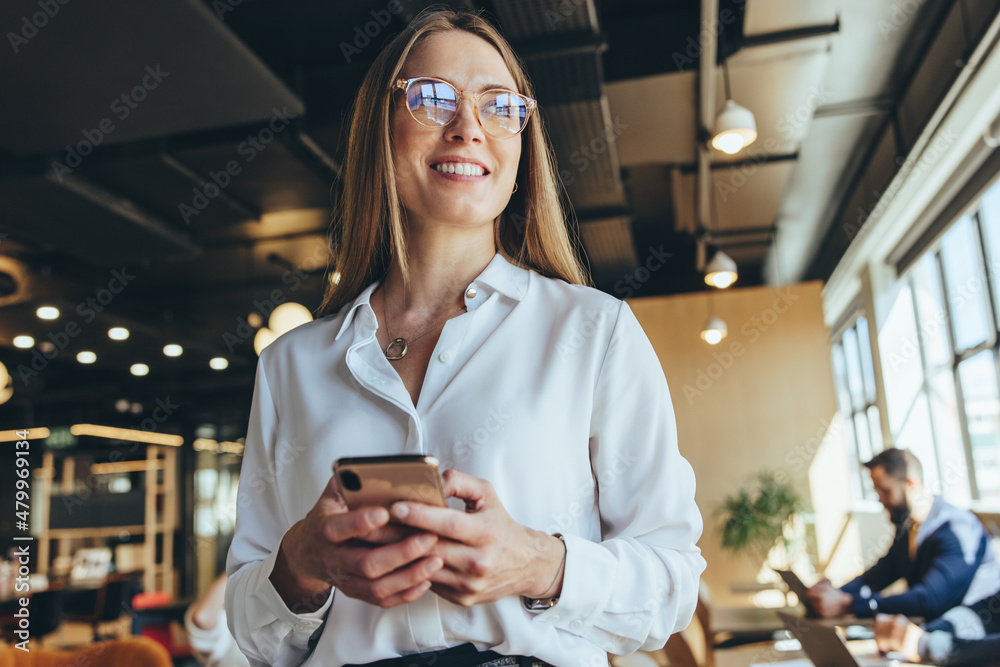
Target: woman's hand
356,551
487,555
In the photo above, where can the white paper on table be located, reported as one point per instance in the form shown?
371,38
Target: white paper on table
800,662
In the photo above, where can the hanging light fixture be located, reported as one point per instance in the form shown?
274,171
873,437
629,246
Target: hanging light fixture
721,271
735,125
287,316
714,330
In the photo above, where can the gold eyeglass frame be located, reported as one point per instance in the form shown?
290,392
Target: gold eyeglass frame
531,104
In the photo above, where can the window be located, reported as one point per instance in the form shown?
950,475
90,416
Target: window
855,379
939,350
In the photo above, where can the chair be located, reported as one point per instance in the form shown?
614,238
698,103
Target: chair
131,651
107,603
46,609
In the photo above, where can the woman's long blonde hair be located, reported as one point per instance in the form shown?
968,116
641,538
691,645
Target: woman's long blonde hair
531,232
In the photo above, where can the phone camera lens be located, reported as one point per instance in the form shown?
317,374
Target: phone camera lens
350,480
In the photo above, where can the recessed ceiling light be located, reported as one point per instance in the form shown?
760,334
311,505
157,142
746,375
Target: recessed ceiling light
47,312
139,369
255,320
219,363
24,342
173,350
117,333
86,357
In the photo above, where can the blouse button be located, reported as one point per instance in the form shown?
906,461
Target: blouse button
471,293
444,357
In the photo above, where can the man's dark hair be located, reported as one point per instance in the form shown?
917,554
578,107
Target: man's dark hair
898,463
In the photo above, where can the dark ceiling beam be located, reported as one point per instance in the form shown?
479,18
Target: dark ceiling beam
807,32
758,243
768,158
328,161
124,208
248,211
563,45
743,231
604,213
873,106
177,143
244,242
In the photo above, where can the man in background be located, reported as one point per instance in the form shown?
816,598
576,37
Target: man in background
942,552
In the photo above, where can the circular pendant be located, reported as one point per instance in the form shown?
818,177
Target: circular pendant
397,344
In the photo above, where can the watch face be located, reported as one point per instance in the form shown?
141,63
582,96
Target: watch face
534,604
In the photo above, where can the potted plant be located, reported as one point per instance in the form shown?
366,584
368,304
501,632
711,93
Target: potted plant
759,516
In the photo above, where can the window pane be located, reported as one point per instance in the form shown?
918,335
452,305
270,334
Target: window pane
854,381
966,293
864,438
875,428
840,379
916,436
854,460
931,312
867,370
948,435
901,368
978,376
990,217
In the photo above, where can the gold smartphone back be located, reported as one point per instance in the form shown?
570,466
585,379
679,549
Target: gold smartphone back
380,481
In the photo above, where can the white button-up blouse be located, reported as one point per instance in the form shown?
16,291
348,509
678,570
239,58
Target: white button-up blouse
550,391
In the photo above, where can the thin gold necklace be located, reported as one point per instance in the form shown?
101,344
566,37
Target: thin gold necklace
401,344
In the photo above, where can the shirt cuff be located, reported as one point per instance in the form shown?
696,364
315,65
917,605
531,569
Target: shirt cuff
580,600
864,603
303,624
935,647
208,644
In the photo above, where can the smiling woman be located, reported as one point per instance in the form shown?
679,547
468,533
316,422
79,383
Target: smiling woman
461,329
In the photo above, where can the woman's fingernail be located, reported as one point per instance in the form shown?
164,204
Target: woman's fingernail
378,515
400,510
434,564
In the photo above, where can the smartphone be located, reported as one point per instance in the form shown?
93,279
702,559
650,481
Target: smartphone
382,480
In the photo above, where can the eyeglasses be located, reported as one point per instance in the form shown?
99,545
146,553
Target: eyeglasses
434,102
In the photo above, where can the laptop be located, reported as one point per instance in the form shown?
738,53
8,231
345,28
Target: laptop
796,586
826,648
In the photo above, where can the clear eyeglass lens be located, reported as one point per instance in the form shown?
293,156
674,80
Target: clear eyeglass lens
435,103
